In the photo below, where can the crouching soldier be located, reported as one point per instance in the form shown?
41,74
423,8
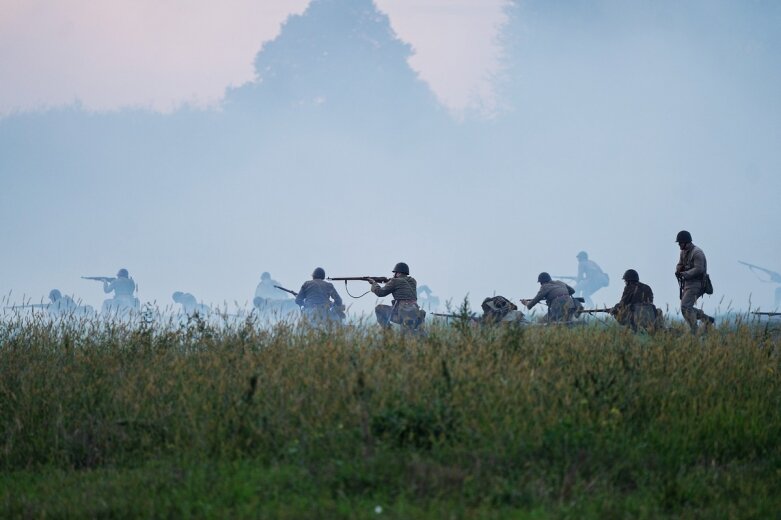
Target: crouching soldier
319,300
404,309
562,306
636,308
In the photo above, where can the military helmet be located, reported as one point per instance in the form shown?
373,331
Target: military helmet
401,267
265,275
582,256
177,296
122,273
318,273
55,295
543,278
683,237
631,276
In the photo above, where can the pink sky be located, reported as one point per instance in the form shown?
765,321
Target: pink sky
161,54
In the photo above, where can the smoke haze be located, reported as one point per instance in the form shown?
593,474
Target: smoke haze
614,126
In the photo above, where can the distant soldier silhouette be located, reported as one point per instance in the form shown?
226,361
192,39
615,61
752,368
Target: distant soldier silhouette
426,299
65,306
124,288
590,278
636,308
558,296
404,309
320,302
266,288
691,272
190,305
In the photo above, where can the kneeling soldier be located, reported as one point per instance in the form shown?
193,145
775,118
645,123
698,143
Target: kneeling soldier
558,296
404,309
636,308
315,299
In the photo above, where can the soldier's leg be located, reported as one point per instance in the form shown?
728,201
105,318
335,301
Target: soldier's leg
689,312
556,310
383,313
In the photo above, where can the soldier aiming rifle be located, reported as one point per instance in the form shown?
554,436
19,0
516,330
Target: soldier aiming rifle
404,309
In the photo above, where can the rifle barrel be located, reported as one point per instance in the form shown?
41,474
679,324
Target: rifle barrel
294,293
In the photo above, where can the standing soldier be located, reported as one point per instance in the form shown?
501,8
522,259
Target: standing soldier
691,271
558,296
590,277
319,300
404,309
636,308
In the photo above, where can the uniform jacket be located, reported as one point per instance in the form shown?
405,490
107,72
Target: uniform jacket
636,292
317,292
402,288
121,287
692,266
549,291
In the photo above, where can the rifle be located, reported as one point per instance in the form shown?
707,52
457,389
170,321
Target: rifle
107,279
594,311
575,278
579,299
294,293
767,313
378,279
774,276
456,316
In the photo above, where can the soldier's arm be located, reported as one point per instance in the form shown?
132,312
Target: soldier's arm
537,299
698,269
386,289
301,298
335,296
570,290
108,287
625,297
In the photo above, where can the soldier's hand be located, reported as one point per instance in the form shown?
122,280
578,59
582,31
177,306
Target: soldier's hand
371,281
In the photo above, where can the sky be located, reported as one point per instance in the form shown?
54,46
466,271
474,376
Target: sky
140,135
115,54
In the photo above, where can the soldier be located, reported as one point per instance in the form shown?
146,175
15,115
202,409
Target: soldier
636,308
404,309
590,278
558,296
65,306
319,300
691,271
190,305
266,288
426,298
123,288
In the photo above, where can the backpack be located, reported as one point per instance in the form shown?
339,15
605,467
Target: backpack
707,286
497,307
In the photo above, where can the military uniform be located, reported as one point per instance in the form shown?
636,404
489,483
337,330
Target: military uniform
405,310
636,307
691,270
591,278
190,305
558,296
315,297
123,288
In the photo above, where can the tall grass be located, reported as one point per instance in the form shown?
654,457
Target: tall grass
586,421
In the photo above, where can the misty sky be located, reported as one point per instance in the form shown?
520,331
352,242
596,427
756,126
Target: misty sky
481,142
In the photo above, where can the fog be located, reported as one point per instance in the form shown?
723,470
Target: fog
617,125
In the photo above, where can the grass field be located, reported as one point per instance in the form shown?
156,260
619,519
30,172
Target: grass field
104,419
